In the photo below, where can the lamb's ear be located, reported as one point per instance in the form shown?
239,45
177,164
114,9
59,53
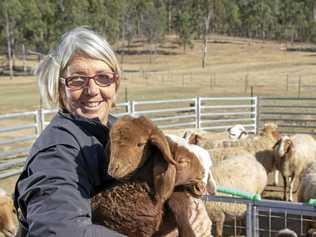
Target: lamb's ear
289,147
277,144
164,175
192,138
158,139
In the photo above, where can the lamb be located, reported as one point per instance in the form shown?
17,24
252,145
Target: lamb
237,132
243,173
292,155
149,166
286,233
259,146
307,189
7,213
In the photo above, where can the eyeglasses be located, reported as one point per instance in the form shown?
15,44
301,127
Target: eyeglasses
79,81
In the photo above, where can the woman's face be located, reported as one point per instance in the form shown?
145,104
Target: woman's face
92,100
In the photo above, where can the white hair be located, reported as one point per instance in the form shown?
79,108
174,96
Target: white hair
79,39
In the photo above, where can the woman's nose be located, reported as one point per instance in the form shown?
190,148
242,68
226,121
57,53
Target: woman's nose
92,88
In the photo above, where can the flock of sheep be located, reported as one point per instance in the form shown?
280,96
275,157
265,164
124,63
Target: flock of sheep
161,178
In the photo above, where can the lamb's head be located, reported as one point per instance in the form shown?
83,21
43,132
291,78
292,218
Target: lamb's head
237,132
7,212
130,142
193,166
283,150
270,130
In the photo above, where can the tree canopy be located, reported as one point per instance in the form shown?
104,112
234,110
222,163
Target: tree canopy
37,24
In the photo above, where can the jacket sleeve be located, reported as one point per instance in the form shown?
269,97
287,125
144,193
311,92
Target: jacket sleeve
56,195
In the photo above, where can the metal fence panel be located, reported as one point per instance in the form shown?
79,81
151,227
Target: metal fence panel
292,114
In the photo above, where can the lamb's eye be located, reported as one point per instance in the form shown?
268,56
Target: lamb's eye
183,162
141,144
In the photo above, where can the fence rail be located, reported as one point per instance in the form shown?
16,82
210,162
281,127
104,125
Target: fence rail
293,115
266,217
18,130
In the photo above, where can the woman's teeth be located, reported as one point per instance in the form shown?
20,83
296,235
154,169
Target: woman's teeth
91,104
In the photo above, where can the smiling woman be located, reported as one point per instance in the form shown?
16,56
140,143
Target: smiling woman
65,167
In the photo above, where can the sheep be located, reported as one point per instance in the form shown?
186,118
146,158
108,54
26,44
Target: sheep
243,173
237,132
202,155
191,213
259,146
148,166
7,213
286,233
307,189
292,155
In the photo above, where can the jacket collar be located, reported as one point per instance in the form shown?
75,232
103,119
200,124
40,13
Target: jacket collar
92,126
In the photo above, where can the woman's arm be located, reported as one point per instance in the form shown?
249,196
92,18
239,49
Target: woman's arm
57,195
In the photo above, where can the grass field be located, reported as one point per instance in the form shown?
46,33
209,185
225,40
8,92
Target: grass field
234,65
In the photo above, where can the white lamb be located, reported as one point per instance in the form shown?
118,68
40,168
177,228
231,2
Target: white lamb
237,132
243,173
292,155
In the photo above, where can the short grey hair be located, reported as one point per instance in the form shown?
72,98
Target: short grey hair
79,39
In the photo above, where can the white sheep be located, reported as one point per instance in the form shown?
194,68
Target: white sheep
259,146
243,173
292,155
7,213
237,131
204,157
307,188
286,233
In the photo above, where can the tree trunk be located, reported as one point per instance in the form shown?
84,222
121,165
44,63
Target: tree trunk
7,29
314,10
207,21
24,58
169,16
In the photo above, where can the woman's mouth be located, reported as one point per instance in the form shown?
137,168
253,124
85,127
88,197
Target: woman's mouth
91,105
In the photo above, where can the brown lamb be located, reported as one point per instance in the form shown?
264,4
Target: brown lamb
149,167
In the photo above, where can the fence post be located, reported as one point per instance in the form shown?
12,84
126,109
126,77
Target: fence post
255,224
257,113
40,121
197,111
299,87
249,220
131,107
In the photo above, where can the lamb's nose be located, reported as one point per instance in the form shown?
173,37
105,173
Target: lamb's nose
10,232
113,169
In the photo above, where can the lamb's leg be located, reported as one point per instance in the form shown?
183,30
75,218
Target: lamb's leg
276,177
285,181
292,181
190,214
219,225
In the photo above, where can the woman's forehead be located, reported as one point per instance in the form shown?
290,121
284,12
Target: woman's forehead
84,63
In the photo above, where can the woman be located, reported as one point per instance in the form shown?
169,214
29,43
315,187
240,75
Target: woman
66,165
